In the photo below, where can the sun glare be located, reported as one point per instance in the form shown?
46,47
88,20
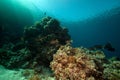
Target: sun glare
35,4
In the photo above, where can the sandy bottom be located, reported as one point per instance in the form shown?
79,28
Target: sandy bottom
20,74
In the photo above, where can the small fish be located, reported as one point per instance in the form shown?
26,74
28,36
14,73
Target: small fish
109,47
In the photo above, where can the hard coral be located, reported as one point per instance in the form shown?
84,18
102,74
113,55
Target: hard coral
44,38
112,70
74,67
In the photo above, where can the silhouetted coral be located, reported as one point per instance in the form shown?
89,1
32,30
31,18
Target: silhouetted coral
44,38
37,46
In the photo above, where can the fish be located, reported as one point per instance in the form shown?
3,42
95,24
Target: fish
107,47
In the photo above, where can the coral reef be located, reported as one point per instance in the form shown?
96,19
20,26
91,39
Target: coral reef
112,69
44,38
35,77
14,59
46,44
74,64
84,64
30,74
37,46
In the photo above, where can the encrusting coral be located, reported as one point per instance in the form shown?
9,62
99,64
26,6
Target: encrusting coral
74,64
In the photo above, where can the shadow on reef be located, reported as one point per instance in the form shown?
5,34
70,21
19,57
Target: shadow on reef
46,43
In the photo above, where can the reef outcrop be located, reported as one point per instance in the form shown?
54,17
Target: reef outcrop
37,46
83,64
44,38
47,43
75,64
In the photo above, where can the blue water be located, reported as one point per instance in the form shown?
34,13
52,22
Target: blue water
89,22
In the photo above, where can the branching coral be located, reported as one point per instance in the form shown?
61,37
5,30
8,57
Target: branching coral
77,66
